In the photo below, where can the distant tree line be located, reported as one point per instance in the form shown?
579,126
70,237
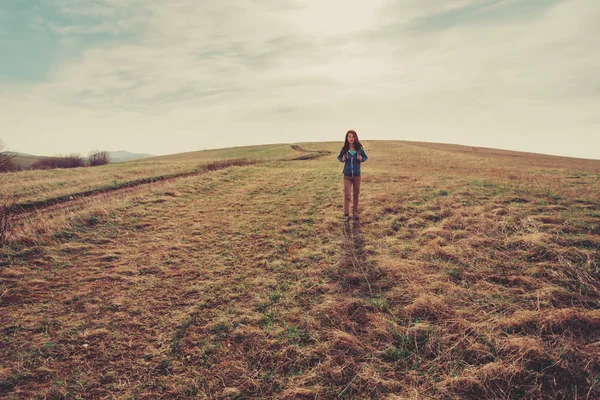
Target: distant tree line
70,161
8,164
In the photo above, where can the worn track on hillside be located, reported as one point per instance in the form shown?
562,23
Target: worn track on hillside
75,201
21,212
312,154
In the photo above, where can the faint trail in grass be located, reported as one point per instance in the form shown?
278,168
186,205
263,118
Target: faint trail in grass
23,209
355,310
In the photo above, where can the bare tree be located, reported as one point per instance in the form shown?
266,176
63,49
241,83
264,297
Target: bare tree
6,159
99,158
73,160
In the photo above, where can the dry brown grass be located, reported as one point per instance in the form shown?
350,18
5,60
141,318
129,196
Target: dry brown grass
41,185
466,277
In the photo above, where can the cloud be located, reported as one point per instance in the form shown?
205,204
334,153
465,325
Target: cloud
470,71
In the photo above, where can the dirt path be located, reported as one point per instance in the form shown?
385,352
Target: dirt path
75,201
312,153
23,210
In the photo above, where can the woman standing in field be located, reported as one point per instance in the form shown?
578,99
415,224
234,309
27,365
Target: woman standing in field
352,155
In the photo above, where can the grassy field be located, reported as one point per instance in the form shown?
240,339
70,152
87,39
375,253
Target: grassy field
39,185
472,274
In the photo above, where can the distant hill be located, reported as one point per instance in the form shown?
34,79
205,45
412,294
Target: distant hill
25,160
120,156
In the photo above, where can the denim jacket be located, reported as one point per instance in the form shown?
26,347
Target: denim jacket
352,165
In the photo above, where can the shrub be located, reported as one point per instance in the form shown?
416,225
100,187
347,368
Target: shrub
70,161
99,158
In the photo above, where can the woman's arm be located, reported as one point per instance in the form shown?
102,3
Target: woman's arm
364,155
342,158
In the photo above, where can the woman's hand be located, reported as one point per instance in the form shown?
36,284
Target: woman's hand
343,158
359,157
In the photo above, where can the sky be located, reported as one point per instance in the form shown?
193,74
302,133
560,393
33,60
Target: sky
184,75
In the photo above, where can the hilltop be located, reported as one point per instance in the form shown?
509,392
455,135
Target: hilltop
229,273
121,156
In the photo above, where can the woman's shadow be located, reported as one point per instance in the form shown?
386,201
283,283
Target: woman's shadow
353,237
352,267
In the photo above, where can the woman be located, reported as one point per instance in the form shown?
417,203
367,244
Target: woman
352,155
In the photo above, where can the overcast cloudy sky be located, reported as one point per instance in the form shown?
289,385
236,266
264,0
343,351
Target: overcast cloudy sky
184,75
